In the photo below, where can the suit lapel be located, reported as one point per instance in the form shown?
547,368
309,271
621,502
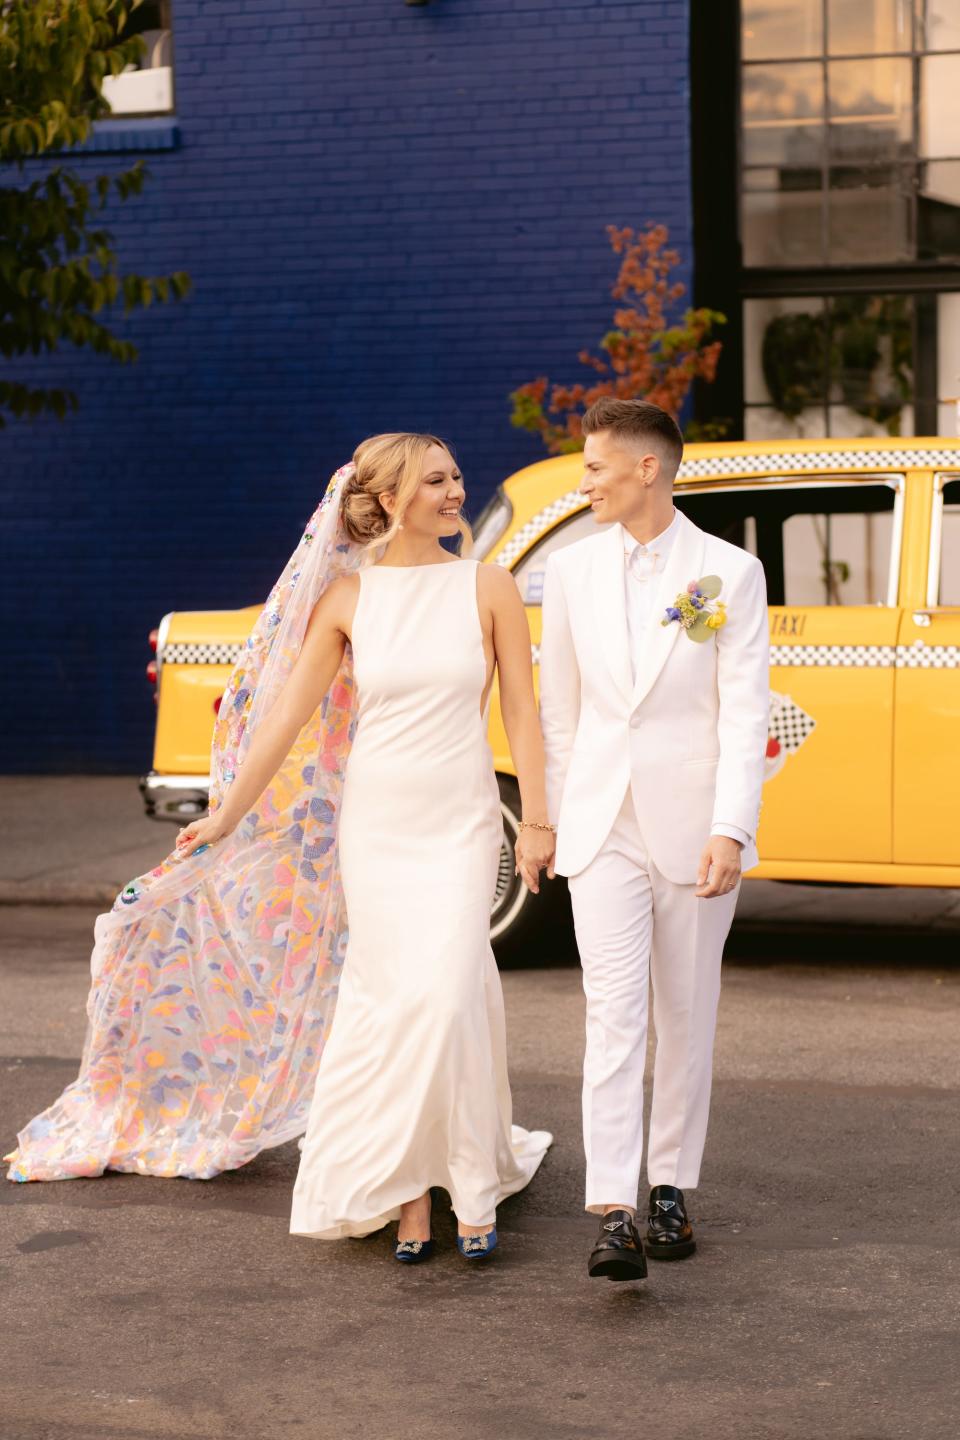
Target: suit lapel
685,563
611,608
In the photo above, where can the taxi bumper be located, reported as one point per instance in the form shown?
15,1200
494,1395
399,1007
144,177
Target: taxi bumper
174,797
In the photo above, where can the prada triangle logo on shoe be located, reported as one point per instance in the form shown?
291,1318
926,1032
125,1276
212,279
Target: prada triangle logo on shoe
666,1204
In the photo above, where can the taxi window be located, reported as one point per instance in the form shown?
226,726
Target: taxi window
950,546
532,568
820,544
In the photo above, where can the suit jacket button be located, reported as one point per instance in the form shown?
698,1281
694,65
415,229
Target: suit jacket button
635,722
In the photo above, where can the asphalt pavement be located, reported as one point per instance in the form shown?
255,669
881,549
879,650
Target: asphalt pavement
822,1304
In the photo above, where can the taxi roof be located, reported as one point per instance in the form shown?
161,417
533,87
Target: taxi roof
543,494
744,459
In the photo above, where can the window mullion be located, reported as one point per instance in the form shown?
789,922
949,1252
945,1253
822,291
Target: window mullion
914,171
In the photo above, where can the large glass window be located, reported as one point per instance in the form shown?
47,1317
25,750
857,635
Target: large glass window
849,209
850,131
840,365
145,88
948,363
939,22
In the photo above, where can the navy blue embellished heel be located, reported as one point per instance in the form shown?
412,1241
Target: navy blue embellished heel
413,1252
477,1247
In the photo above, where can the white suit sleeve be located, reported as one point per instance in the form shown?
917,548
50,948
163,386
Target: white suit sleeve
559,687
743,680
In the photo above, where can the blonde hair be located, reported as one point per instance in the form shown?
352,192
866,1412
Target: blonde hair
387,465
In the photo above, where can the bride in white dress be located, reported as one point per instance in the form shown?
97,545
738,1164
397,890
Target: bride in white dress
412,1088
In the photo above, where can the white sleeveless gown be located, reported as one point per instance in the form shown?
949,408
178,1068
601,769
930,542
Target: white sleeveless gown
412,1089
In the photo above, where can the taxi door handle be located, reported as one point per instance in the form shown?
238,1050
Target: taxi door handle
923,617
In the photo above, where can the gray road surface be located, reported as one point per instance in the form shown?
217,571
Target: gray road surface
823,1302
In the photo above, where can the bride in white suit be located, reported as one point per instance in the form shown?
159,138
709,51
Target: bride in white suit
654,706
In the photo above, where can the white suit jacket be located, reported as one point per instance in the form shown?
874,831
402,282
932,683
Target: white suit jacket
688,735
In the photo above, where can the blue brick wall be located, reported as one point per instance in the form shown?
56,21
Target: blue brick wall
392,217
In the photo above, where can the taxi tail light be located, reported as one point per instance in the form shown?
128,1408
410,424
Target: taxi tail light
152,640
216,704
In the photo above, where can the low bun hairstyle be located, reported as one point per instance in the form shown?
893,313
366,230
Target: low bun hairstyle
385,465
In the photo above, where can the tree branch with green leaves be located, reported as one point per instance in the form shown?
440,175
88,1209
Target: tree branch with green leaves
60,274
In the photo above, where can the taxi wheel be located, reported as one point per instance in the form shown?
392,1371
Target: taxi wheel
525,928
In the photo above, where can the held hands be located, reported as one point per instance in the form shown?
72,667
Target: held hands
201,832
719,871
534,852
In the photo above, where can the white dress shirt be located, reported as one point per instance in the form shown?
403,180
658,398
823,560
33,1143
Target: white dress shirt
643,564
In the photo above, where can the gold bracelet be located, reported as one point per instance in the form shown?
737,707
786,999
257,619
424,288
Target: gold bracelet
536,825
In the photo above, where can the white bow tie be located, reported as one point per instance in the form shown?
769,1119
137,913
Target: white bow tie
642,563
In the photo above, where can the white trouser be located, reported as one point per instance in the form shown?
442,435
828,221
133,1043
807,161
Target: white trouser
634,926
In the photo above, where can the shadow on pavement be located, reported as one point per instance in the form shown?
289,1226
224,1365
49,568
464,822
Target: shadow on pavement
767,944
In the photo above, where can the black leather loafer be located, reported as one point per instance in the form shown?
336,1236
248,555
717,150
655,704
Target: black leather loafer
669,1232
618,1253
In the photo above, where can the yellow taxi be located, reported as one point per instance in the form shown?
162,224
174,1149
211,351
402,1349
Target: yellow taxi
860,541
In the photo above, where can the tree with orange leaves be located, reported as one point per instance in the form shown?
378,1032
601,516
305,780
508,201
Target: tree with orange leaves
643,357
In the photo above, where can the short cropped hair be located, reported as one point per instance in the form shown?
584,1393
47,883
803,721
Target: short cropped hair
641,422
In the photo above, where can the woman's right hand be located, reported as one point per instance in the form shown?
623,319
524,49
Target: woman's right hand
201,832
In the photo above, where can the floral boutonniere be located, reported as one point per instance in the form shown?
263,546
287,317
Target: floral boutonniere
697,609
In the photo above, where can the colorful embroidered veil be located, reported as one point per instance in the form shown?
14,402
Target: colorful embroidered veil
214,978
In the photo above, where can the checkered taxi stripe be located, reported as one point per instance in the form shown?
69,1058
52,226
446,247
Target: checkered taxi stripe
855,656
197,653
841,460
929,657
918,656
909,657
549,515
